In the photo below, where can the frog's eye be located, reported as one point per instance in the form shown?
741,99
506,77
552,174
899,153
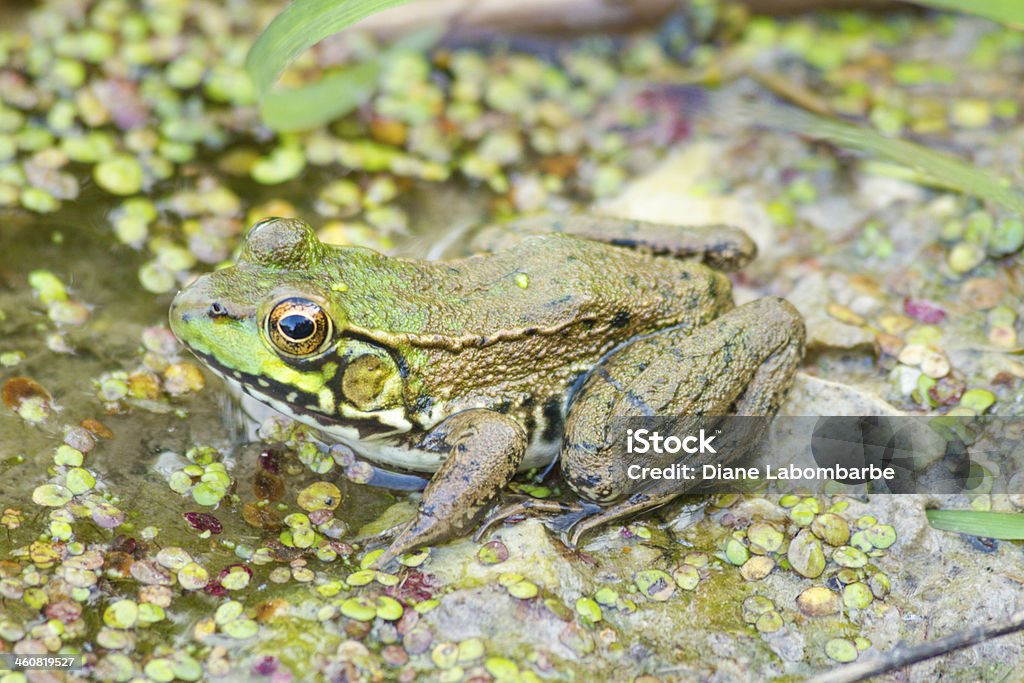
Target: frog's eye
298,327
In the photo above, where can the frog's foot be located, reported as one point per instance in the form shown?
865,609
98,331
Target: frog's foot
635,504
484,449
571,520
534,507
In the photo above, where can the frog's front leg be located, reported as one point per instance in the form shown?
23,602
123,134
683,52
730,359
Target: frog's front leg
483,450
741,363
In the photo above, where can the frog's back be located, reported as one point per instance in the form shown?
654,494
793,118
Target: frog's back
543,286
520,326
551,282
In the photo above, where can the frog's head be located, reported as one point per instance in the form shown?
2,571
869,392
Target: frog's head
273,325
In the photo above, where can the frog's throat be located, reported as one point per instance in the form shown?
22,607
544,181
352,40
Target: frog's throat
322,410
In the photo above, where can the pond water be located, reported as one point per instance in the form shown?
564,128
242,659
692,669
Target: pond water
145,514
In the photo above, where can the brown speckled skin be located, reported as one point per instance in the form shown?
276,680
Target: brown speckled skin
479,356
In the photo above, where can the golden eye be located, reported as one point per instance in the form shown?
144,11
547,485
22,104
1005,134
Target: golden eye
298,327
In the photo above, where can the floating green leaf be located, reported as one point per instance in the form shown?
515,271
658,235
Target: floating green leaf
1003,525
1005,11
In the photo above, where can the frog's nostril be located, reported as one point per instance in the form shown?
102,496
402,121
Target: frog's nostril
217,310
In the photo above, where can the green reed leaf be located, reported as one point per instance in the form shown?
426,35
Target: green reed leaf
1003,525
298,27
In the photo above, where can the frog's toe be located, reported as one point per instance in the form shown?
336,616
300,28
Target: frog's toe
558,516
424,530
572,535
635,504
525,506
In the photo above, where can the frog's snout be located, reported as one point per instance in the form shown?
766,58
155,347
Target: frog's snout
191,304
181,312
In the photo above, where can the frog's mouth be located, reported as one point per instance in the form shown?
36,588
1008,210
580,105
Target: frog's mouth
303,406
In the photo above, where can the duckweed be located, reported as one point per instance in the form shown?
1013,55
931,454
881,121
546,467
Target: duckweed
523,589
79,480
228,612
879,584
736,552
805,555
686,577
754,569
769,622
359,608
193,576
831,528
848,556
857,595
502,669
818,601
754,606
841,650
241,629
493,552
655,584
764,537
388,608
881,536
445,655
119,175
977,400
122,614
51,495
803,512
588,609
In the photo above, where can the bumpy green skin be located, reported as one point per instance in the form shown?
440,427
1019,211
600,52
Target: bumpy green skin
456,365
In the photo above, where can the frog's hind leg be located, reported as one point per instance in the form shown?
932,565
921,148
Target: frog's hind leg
723,247
739,364
483,450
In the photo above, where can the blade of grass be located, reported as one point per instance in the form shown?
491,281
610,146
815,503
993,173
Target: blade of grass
1004,11
301,25
294,109
1007,526
336,94
944,169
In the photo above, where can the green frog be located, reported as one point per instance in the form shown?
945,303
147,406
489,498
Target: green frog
478,367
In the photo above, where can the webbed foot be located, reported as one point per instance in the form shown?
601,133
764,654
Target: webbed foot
484,449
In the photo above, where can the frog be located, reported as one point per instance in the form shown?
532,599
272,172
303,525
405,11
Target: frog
517,356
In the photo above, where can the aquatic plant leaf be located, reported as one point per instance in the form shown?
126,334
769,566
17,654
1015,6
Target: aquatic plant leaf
331,96
299,26
1005,11
940,168
1003,525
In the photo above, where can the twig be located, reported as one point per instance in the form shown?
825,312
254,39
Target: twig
792,91
904,656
